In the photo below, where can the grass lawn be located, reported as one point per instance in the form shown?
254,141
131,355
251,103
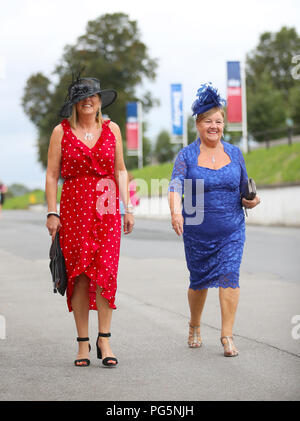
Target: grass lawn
277,165
35,197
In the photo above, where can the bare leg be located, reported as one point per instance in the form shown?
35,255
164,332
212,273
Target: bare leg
104,323
196,302
80,305
229,298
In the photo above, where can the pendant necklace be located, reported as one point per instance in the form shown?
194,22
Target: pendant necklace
213,159
88,136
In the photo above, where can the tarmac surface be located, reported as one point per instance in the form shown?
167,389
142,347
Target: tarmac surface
150,325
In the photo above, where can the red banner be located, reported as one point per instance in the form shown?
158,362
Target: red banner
132,136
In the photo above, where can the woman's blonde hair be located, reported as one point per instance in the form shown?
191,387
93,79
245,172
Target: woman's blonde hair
209,112
73,119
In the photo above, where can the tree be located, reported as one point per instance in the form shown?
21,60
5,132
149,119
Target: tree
111,51
191,129
266,107
36,98
272,92
164,151
147,151
17,189
273,55
294,102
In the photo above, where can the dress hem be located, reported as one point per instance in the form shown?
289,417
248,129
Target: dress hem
215,285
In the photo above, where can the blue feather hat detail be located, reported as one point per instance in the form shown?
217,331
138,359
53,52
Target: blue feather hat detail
208,97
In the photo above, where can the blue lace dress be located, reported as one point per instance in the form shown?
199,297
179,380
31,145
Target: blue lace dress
214,246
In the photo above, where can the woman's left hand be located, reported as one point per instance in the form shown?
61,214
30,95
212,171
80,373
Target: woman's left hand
128,223
249,204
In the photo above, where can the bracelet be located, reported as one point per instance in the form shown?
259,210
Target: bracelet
129,209
53,213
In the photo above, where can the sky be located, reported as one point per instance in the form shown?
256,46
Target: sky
192,41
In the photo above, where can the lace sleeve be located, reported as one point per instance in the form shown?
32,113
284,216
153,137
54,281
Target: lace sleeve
179,174
244,175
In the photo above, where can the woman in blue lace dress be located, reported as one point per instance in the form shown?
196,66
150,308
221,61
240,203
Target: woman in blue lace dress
206,207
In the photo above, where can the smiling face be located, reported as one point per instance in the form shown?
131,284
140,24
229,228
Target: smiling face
210,126
89,105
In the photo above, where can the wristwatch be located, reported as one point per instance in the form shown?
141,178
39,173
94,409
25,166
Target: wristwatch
53,213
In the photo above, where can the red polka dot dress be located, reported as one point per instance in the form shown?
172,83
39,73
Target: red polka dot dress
89,213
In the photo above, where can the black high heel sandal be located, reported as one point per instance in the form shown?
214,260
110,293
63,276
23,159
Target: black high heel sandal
83,360
106,360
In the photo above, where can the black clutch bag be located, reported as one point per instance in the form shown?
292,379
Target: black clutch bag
249,192
57,267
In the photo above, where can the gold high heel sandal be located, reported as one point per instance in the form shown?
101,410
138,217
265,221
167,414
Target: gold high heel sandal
228,349
194,340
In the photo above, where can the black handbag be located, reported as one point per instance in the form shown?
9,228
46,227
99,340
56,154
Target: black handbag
57,267
249,192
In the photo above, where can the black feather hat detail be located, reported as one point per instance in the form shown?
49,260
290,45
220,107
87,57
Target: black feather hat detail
81,88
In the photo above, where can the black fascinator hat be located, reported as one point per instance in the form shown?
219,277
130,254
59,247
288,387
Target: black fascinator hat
83,88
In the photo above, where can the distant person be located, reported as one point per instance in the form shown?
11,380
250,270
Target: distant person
214,246
88,151
3,190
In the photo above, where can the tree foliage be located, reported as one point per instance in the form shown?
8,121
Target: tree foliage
266,107
273,55
272,92
164,150
110,50
191,129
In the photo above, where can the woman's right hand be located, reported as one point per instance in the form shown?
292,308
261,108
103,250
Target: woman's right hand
53,224
177,223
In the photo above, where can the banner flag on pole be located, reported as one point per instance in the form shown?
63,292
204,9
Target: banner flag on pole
234,92
132,128
177,109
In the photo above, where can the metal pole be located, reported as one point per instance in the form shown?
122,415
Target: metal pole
140,120
244,108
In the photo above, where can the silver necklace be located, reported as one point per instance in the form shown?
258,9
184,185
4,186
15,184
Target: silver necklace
213,159
88,136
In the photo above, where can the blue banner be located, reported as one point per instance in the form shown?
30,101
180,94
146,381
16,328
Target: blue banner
132,112
177,109
233,74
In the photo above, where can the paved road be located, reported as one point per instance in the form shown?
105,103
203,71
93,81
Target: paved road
150,324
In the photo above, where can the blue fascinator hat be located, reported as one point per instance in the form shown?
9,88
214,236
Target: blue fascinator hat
208,97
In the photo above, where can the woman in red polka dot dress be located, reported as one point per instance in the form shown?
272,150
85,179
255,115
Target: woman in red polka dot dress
88,152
